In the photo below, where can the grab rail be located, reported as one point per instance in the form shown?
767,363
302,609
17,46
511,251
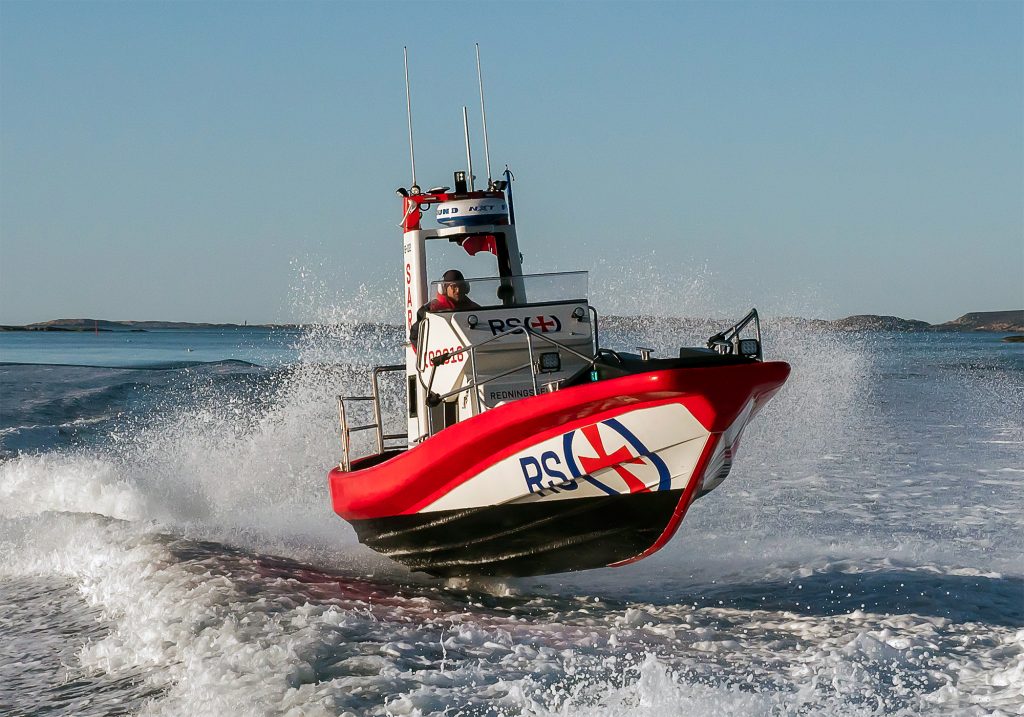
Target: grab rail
378,424
729,342
434,399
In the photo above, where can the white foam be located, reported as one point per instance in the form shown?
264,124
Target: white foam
219,634
31,484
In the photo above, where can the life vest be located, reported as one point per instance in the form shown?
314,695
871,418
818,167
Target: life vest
442,302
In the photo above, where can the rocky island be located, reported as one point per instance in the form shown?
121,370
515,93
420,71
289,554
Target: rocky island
993,321
874,322
986,321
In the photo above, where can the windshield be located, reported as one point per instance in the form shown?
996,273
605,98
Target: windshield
522,290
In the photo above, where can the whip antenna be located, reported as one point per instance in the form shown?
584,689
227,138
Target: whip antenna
408,108
483,114
469,154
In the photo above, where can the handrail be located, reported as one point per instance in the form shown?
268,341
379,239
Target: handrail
529,333
433,399
443,357
378,425
727,342
346,447
423,337
376,400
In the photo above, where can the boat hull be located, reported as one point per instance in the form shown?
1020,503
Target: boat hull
539,538
594,475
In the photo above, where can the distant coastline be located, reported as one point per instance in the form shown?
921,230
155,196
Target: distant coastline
89,325
990,321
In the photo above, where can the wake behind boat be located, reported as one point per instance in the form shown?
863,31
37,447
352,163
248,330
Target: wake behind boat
530,447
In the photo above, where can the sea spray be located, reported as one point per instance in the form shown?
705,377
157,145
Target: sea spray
862,558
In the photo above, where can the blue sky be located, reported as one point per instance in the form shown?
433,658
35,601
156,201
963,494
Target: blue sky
201,161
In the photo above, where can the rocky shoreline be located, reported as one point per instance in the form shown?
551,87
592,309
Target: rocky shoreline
990,321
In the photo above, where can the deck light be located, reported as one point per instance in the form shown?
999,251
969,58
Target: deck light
749,347
550,362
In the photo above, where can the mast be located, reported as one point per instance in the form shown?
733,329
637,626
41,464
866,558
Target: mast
508,193
408,108
469,153
483,114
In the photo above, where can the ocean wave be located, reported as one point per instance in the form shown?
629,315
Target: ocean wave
205,629
773,598
141,365
34,484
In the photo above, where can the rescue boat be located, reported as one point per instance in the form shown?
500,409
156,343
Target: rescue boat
530,448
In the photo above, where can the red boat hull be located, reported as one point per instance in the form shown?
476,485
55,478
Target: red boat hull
593,475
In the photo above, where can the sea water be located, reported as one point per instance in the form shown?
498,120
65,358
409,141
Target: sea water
167,545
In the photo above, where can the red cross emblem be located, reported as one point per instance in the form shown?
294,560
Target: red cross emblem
541,322
615,460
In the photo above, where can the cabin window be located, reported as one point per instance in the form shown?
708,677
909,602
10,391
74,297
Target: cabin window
528,289
411,394
474,254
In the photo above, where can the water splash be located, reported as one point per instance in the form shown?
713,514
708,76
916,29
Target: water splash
857,561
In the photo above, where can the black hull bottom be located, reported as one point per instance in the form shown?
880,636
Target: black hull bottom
526,539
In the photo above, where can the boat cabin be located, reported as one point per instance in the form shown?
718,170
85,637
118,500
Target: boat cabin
519,334
510,336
